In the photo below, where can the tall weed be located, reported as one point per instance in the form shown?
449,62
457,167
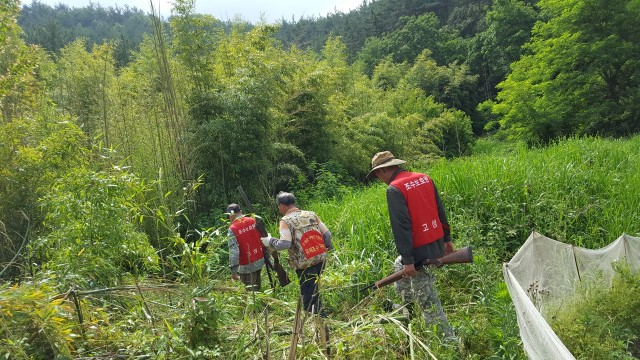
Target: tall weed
602,323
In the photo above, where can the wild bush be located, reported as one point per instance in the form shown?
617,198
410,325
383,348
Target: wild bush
601,322
449,135
92,237
34,152
32,326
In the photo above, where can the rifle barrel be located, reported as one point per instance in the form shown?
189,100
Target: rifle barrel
460,256
367,288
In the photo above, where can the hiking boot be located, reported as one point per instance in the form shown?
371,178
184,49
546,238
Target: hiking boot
403,310
407,309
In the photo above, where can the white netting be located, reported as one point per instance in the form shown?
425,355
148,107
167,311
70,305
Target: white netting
544,272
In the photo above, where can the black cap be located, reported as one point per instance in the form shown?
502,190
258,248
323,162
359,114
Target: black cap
233,209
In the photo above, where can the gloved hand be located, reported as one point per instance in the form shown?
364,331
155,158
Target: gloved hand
265,240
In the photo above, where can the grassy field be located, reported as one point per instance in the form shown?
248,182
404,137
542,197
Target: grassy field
581,191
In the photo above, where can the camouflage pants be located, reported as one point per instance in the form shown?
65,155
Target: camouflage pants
420,290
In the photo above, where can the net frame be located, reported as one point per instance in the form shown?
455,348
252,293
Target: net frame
545,272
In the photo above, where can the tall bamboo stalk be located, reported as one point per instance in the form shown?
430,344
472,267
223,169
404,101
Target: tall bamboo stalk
174,119
104,102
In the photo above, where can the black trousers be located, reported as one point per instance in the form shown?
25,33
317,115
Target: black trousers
252,280
308,279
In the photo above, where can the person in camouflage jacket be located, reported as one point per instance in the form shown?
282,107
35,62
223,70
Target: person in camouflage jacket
307,240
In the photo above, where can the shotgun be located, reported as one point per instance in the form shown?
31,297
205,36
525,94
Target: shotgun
283,278
460,256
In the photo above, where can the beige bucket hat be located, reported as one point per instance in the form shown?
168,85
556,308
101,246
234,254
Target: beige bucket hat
383,159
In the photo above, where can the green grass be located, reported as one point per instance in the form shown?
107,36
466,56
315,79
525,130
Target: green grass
601,323
580,191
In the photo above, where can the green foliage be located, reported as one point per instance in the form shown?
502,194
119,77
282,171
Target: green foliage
327,182
205,255
81,84
141,319
578,78
34,327
20,68
405,44
54,27
34,153
508,28
195,38
307,126
239,121
387,74
449,135
143,129
572,191
370,19
92,220
452,85
375,131
204,323
601,322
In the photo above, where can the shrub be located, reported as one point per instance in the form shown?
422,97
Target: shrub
92,220
602,323
33,327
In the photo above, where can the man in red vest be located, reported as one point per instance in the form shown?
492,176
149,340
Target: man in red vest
420,230
246,256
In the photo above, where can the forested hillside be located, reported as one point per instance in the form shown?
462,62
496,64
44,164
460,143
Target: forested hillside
123,138
54,28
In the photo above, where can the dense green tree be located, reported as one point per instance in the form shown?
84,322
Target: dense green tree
467,17
82,82
388,74
54,27
370,19
307,125
194,40
429,129
404,44
20,90
32,138
351,99
34,153
233,140
143,137
92,220
452,85
581,76
449,135
508,28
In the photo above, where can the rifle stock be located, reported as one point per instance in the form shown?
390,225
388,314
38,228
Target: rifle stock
283,278
460,256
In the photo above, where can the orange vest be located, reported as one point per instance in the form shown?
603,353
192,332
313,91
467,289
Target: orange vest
420,196
248,237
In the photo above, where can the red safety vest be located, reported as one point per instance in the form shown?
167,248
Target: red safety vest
420,196
307,247
312,244
248,237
